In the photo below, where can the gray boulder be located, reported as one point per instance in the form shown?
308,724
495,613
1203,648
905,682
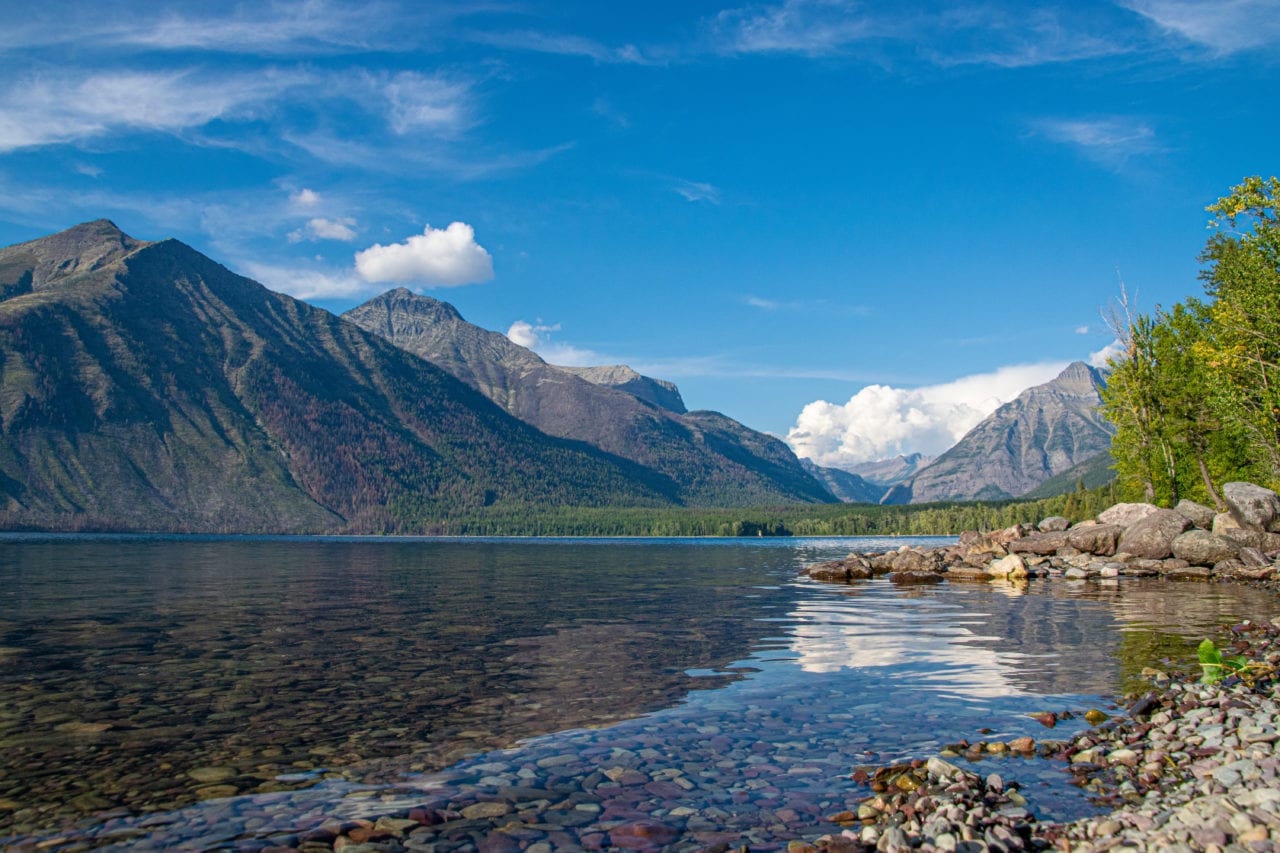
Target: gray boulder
1253,506
915,561
1039,543
1152,537
1253,538
1202,548
1054,524
1127,515
1198,514
1098,539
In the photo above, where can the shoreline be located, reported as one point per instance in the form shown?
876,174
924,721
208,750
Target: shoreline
1188,766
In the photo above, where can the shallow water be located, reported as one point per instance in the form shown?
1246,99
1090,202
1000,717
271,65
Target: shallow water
163,692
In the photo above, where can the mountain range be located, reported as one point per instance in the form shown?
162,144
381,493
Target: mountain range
143,386
707,459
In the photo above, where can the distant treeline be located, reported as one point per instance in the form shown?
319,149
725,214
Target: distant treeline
802,520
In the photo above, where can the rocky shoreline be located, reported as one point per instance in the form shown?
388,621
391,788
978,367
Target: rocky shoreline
1189,766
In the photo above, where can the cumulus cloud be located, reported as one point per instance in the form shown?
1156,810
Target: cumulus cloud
1115,349
438,257
305,198
326,229
537,337
881,421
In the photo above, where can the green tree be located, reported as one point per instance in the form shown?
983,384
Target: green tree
1242,276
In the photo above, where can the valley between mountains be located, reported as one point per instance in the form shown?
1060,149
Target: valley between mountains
145,387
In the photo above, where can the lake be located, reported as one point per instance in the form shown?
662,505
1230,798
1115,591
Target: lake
206,693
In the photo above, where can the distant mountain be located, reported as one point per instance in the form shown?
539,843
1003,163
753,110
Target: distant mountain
849,488
145,387
660,392
1043,432
707,458
890,472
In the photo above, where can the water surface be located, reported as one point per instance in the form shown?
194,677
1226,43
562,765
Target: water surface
192,691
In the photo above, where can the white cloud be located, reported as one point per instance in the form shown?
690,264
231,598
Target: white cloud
1115,349
564,45
419,102
697,191
537,337
762,303
881,421
306,283
305,198
1224,26
946,35
1082,330
1109,141
44,109
437,257
326,229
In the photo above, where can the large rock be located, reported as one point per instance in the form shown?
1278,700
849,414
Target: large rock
1202,548
1253,506
1127,515
1039,543
1222,522
1253,538
1198,514
1012,567
915,561
1054,524
1099,539
1152,537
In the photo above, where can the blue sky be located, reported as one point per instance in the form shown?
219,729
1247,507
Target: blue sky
910,210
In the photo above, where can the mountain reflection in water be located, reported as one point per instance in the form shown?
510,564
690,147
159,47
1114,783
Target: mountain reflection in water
172,678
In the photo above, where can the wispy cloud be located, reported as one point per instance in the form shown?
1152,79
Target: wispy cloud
697,191
803,305
1223,26
942,34
562,44
307,282
1110,141
68,107
274,28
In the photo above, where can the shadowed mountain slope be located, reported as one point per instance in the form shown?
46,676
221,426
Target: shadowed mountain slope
710,459
1043,432
145,387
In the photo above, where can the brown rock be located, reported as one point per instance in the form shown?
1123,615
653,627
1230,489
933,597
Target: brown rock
1097,539
1039,543
1152,537
1053,524
911,578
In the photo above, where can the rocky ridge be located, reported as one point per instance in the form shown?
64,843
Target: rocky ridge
707,459
1043,432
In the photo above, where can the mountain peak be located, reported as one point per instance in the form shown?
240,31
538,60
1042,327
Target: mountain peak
82,248
1078,378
